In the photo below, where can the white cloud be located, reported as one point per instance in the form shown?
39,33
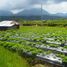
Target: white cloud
3,4
13,4
52,6
56,8
18,4
16,11
37,6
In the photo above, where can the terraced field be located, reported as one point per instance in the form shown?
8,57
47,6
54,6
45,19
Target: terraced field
47,43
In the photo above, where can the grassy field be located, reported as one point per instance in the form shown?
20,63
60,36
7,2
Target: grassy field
9,59
43,29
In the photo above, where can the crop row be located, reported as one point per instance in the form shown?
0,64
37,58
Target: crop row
43,45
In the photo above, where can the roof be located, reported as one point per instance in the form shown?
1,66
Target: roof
7,23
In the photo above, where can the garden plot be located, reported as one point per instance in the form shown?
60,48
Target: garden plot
37,43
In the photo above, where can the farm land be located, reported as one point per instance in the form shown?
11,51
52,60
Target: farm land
47,43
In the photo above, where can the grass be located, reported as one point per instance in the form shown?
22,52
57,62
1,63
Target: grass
42,29
9,59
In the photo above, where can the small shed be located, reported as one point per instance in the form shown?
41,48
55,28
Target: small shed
4,25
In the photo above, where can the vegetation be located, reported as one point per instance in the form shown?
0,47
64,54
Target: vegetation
11,59
56,22
31,40
36,40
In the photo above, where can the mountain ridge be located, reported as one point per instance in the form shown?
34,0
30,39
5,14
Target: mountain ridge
34,13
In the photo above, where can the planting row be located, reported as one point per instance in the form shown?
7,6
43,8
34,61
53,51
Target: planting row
43,54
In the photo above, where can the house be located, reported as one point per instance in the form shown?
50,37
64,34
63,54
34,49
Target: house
4,25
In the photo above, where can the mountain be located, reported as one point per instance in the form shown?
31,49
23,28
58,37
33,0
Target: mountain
35,14
32,12
61,14
5,13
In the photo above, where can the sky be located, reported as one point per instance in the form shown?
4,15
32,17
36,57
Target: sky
52,6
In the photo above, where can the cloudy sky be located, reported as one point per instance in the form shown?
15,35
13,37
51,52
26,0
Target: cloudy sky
52,6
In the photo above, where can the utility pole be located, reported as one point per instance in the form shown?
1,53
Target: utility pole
41,11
